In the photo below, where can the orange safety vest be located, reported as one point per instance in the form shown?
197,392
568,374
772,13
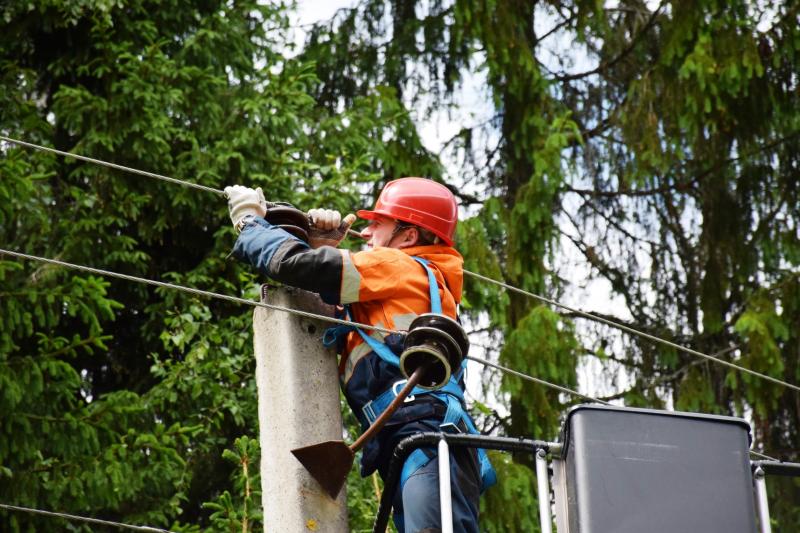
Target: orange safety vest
385,287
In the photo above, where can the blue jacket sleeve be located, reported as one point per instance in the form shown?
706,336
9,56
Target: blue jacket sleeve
285,258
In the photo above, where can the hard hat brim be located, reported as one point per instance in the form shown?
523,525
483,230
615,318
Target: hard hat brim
366,214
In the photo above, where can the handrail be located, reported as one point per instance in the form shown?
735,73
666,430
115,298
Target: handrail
409,444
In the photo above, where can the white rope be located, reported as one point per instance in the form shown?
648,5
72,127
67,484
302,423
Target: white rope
84,519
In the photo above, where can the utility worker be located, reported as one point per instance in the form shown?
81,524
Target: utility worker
387,285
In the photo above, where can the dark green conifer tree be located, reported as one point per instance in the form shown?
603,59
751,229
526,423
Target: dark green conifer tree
666,171
117,400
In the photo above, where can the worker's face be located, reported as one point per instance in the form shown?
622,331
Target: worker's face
383,231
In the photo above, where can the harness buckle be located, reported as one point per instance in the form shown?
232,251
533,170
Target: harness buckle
369,413
373,408
396,390
450,427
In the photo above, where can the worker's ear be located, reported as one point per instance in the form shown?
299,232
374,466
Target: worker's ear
410,237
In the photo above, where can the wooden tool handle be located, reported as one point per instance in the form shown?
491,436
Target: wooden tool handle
376,426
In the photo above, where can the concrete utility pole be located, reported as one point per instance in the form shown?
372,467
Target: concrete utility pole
298,405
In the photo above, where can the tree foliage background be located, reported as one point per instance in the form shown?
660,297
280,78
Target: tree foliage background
665,172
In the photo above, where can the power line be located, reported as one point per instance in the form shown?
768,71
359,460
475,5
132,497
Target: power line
192,290
114,165
244,301
629,329
533,379
306,314
764,456
334,320
555,303
66,516
570,391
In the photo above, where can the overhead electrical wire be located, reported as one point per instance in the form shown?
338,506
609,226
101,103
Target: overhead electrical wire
507,370
114,166
554,303
306,314
77,518
194,291
633,331
764,456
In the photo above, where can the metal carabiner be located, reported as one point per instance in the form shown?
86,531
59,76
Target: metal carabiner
399,385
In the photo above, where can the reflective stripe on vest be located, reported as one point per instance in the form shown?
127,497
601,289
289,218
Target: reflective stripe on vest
451,394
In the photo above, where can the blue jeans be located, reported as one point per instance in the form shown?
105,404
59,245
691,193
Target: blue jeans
416,504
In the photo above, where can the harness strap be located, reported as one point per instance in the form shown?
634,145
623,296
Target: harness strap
416,460
436,302
380,348
456,414
451,394
334,333
373,409
433,287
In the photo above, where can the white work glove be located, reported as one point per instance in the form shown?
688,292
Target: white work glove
327,227
325,219
244,201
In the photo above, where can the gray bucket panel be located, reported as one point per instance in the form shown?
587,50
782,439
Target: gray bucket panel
632,471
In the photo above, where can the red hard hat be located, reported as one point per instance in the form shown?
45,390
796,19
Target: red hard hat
419,201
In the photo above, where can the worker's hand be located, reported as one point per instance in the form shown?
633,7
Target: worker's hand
325,219
327,227
244,201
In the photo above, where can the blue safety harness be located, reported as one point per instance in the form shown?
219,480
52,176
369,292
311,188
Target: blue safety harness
451,395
